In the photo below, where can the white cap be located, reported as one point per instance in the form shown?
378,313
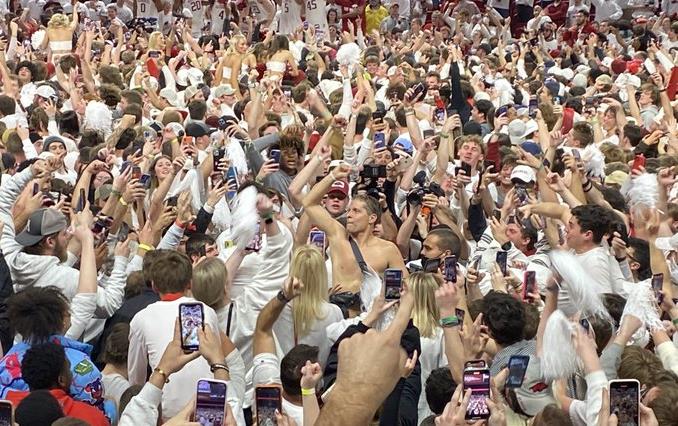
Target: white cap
170,95
518,130
524,174
45,91
579,80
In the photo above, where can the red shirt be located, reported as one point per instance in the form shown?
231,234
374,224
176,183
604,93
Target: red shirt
557,13
72,408
348,6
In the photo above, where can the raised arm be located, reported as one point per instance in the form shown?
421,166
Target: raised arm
263,333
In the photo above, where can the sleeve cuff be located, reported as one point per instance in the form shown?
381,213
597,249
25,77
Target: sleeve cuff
208,209
151,394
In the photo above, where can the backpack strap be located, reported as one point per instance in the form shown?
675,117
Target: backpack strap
358,255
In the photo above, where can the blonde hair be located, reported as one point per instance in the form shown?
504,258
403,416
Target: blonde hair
153,40
425,315
233,41
209,279
308,266
58,20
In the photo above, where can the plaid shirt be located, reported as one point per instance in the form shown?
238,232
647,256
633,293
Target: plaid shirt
500,361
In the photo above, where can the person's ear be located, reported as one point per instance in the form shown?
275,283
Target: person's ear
634,266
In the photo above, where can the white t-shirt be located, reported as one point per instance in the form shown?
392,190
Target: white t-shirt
290,17
316,14
114,386
146,9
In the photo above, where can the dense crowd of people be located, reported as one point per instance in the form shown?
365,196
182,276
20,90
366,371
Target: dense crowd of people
338,212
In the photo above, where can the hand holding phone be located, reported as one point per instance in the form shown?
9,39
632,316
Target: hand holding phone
502,257
529,284
625,401
478,380
268,400
191,318
393,282
210,402
517,366
451,269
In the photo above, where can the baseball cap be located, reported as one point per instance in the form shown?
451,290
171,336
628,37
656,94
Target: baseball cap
45,91
404,144
518,130
532,148
223,90
198,129
524,174
41,223
175,128
616,178
340,186
189,93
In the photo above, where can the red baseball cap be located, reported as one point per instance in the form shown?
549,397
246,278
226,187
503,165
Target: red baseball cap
339,186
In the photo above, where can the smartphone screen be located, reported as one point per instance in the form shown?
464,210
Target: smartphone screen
625,400
268,399
210,402
476,363
393,281
657,284
517,366
451,269
255,244
502,257
529,284
533,106
317,239
576,154
136,172
191,317
232,176
145,180
379,140
6,413
478,380
275,155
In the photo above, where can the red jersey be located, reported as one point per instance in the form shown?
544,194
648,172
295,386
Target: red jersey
348,6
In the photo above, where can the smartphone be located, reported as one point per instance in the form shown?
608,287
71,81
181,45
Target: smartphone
533,106
124,166
36,188
231,176
419,91
268,399
649,66
275,155
585,323
529,284
187,141
191,317
145,180
218,154
657,284
638,162
576,154
172,201
466,167
210,402
517,367
430,266
440,115
478,380
625,401
502,257
317,238
521,193
475,363
6,413
154,54
393,282
255,244
136,172
379,140
450,269
81,201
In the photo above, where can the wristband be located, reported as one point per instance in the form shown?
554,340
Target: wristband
180,224
162,373
146,247
444,135
218,366
451,321
307,392
123,202
116,192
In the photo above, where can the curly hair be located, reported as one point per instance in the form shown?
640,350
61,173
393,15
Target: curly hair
38,313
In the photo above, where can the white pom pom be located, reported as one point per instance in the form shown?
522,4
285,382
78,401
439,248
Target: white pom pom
594,161
642,191
98,117
348,54
640,304
559,358
244,221
37,39
577,292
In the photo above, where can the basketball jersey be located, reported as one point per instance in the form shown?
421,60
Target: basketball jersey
316,15
218,17
198,10
146,9
257,11
290,17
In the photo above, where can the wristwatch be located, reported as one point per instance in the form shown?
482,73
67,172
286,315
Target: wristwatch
281,297
506,246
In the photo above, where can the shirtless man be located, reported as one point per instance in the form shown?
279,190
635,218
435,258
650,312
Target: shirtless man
363,214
